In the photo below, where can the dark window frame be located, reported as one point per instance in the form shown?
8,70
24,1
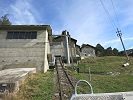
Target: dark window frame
21,35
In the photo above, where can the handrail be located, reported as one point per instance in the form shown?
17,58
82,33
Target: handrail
84,82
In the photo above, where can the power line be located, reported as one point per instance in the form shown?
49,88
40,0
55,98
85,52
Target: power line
108,14
119,34
116,15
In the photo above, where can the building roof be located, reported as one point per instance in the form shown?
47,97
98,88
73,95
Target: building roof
59,38
78,46
87,45
27,27
62,36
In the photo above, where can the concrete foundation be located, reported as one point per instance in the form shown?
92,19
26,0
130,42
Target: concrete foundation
11,79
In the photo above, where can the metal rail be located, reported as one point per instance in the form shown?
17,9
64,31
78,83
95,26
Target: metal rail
84,81
59,83
66,74
67,79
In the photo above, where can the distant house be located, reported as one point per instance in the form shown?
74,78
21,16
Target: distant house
87,50
58,46
78,53
25,46
131,54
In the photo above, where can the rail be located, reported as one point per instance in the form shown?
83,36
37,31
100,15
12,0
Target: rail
63,78
66,74
59,83
101,96
84,82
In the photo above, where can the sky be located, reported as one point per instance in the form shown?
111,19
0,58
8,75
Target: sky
86,20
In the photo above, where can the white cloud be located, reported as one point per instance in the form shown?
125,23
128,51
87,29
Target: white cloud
131,47
22,12
117,44
88,23
118,40
125,16
111,42
86,20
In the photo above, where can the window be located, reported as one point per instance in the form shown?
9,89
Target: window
21,35
15,35
33,35
9,35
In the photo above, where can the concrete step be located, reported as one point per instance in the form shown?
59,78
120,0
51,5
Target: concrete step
11,79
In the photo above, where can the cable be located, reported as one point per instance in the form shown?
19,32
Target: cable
109,17
116,15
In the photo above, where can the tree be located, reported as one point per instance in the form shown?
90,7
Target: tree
100,50
115,52
109,51
4,20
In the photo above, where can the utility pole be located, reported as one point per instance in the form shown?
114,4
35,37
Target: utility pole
119,34
67,48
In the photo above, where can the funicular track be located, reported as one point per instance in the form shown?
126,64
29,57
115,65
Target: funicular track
65,83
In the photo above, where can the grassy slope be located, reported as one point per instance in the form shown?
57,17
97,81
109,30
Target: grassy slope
37,87
107,83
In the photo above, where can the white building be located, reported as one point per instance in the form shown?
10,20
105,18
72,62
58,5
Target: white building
87,51
24,46
59,47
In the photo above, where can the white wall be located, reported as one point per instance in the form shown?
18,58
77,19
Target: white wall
88,51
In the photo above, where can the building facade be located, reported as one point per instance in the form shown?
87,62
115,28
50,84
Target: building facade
87,50
78,53
59,46
25,46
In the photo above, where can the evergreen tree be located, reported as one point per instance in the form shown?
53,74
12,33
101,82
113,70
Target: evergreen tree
115,52
4,20
109,51
100,50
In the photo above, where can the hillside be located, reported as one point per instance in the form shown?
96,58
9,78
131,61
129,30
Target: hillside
107,74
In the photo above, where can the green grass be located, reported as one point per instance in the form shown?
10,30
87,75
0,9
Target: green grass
40,86
105,64
101,81
37,87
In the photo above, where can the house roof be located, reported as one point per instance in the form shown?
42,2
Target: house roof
78,46
27,27
59,37
64,33
87,45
